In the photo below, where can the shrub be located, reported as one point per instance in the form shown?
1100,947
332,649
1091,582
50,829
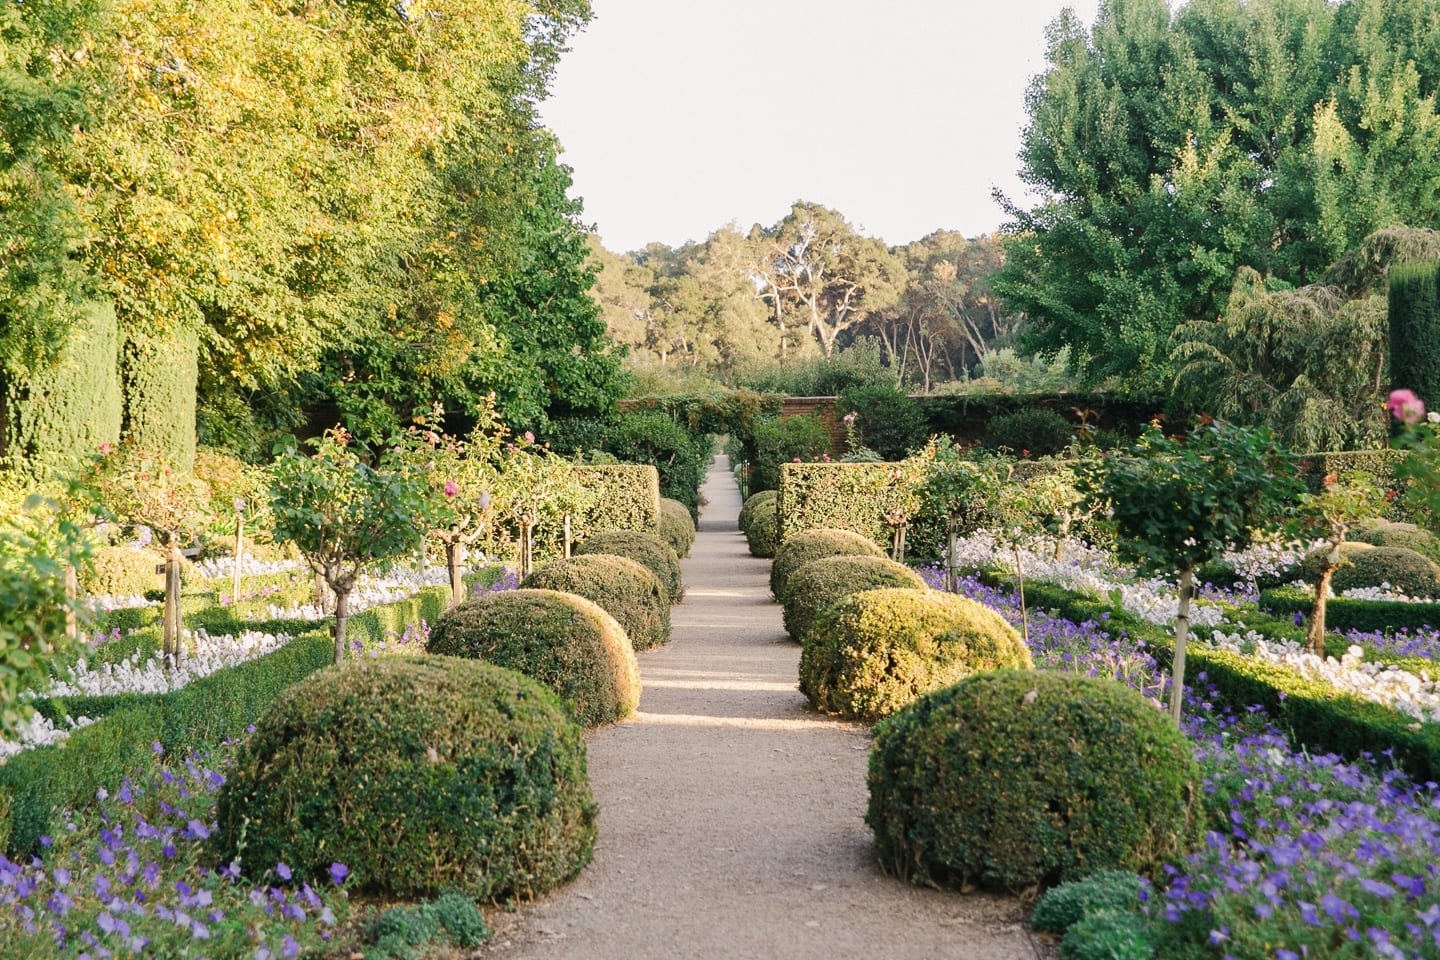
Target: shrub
821,583
1060,908
647,436
646,549
451,918
888,421
1014,777
1109,935
1387,533
1405,571
626,497
794,553
782,440
1039,430
419,774
563,640
120,571
623,588
874,652
677,527
760,522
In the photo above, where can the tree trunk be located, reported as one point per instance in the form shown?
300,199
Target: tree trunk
72,593
1315,630
170,647
897,543
239,555
1182,636
454,557
569,536
319,592
527,549
1020,582
952,545
342,615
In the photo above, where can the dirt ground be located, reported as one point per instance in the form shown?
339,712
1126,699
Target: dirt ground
731,814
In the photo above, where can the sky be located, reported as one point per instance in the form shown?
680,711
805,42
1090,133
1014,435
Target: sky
680,116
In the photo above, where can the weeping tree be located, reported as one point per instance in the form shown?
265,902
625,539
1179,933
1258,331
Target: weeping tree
143,487
346,515
1179,502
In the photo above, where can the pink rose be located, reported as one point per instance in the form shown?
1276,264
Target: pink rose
451,488
106,447
1405,406
529,437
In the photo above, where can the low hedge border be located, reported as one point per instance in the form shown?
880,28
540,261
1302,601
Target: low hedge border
1311,712
1345,613
40,783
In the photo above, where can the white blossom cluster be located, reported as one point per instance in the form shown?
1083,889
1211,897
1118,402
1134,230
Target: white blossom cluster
39,731
1265,559
104,604
216,568
152,676
1416,695
399,584
1383,592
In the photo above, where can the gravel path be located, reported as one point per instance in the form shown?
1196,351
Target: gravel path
731,814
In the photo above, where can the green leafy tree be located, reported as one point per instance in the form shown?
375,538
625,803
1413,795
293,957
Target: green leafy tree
345,515
1178,503
1327,516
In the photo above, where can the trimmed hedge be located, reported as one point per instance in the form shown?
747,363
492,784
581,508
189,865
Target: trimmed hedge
421,774
1018,778
1390,533
1344,613
821,583
873,653
626,590
121,571
836,496
1313,712
794,553
626,497
677,527
760,522
646,549
566,642
39,783
1404,570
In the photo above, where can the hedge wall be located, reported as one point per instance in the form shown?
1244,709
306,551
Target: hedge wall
159,376
1315,714
843,496
35,786
66,411
627,497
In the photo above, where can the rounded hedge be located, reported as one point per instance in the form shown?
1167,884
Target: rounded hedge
760,522
420,774
677,527
566,642
120,572
800,549
821,583
1013,778
1405,571
646,549
623,588
874,652
1389,533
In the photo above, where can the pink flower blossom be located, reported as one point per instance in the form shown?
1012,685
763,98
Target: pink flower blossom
1405,406
451,488
106,447
529,437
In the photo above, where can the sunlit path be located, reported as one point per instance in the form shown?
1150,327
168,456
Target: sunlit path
731,814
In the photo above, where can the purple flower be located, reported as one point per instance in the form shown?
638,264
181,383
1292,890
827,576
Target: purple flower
282,870
338,873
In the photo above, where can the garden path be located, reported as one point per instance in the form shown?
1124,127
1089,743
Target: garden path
731,814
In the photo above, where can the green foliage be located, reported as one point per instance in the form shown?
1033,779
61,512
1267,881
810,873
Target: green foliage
760,522
1392,533
1032,432
1063,906
873,653
450,919
859,365
421,774
1012,778
1414,314
1342,613
1404,570
623,588
646,549
819,584
844,496
795,552
1109,935
783,440
120,571
37,544
888,421
677,527
653,438
564,641
60,412
625,497
158,378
